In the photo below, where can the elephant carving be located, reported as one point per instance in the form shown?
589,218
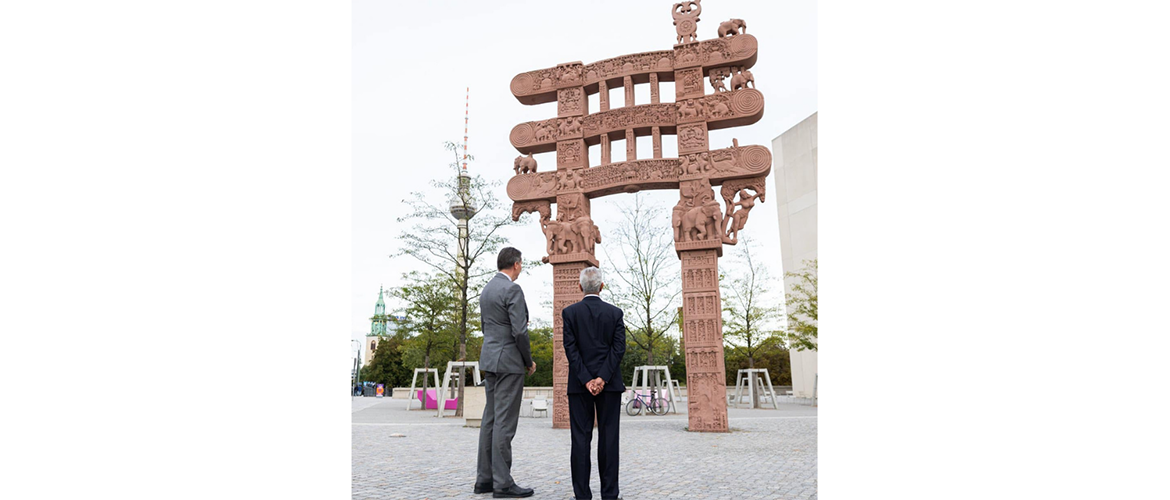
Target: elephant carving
560,237
719,110
706,219
525,164
544,132
587,233
732,27
741,79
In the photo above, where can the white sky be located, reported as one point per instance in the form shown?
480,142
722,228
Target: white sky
413,60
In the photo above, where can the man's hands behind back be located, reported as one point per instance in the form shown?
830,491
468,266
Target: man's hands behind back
595,386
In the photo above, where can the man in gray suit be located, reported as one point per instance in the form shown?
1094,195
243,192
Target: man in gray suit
504,359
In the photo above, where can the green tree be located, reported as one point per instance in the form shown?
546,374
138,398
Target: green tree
387,367
430,320
541,339
802,307
642,277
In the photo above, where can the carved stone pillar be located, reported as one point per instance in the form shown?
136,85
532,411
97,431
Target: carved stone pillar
605,149
628,83
631,145
703,339
603,95
657,135
571,204
654,89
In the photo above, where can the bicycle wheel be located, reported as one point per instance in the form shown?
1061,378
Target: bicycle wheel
659,406
634,407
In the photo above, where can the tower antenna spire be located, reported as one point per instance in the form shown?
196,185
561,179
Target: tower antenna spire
466,107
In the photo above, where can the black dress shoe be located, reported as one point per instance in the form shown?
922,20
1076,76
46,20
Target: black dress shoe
513,492
483,488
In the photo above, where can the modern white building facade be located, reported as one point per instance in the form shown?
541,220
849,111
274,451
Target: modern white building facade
795,170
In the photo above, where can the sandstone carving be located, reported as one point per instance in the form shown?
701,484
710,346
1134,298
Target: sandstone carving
524,164
686,17
732,28
741,79
739,202
701,224
716,78
523,207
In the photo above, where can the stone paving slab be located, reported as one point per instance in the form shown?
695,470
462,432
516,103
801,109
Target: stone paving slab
770,454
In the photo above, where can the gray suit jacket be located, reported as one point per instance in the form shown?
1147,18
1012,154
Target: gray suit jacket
504,315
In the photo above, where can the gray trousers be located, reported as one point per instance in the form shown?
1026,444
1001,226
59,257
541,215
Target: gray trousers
504,392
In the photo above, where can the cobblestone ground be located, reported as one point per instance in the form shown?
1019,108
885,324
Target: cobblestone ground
769,454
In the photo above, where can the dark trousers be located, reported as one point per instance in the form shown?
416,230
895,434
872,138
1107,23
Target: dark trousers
501,411
581,407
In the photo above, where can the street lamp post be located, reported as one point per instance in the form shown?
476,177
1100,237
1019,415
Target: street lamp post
357,364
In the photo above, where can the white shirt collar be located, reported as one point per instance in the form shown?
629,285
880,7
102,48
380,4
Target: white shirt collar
506,276
593,295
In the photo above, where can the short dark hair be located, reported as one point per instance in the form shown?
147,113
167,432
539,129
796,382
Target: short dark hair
508,257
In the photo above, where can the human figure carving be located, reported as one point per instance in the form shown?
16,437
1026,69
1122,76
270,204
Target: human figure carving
686,15
734,222
717,80
732,28
525,164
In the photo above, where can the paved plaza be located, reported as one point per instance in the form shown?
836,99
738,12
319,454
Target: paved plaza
769,454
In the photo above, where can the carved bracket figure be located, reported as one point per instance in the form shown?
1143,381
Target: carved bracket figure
686,17
732,28
524,164
519,208
737,211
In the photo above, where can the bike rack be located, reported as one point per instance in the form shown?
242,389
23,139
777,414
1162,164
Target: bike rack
669,388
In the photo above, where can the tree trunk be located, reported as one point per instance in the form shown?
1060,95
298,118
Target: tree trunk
752,380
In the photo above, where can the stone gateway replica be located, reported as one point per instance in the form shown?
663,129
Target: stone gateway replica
701,226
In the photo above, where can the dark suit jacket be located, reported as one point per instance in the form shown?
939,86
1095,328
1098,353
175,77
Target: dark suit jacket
595,341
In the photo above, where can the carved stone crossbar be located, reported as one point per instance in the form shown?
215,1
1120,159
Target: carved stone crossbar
630,176
722,110
540,86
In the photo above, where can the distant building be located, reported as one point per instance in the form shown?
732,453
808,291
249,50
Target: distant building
382,326
795,152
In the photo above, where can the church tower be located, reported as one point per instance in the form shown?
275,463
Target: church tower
378,330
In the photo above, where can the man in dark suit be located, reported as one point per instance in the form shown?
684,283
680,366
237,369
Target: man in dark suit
504,359
595,341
